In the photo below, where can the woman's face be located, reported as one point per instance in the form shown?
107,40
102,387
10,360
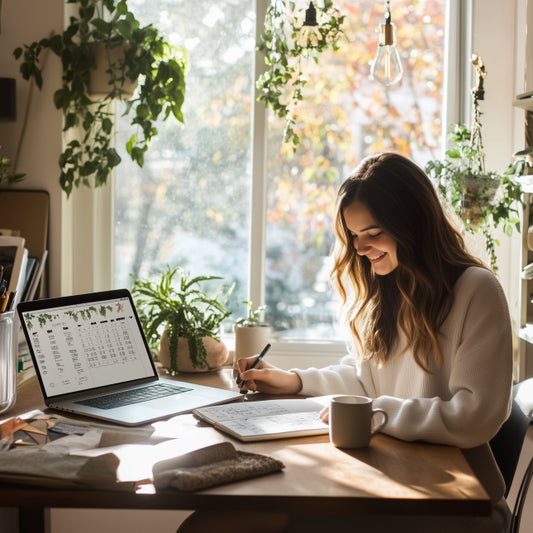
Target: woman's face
370,240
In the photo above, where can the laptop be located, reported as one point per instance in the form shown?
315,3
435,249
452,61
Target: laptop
91,358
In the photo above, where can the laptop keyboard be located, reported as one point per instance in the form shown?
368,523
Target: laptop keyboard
129,397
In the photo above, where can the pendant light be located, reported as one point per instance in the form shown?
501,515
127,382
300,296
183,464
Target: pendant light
387,67
309,34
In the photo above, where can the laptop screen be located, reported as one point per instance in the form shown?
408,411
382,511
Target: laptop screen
85,345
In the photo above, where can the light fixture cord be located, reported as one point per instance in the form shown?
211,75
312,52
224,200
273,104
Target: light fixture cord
387,11
27,110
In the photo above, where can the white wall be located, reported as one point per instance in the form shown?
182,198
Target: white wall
499,37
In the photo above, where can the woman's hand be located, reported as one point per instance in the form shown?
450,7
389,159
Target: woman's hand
324,415
267,378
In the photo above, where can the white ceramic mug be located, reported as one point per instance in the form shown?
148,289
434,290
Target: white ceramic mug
351,421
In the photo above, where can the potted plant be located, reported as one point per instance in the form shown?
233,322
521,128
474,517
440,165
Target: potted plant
251,332
484,200
287,38
181,321
131,53
7,174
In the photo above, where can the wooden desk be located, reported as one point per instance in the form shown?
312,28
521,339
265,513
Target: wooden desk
388,477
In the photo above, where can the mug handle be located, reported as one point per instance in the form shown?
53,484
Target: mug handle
380,425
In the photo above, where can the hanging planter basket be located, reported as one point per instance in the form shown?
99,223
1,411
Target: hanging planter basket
106,55
478,196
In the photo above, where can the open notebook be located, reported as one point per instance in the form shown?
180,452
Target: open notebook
91,358
268,419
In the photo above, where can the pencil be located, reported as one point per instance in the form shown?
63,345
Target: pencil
4,297
254,364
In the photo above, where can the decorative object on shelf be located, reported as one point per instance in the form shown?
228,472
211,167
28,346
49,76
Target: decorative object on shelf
133,53
387,66
190,317
530,238
285,42
484,200
251,333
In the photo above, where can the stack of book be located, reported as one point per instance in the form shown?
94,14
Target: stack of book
21,273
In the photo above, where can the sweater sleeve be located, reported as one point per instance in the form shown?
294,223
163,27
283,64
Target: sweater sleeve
344,378
478,343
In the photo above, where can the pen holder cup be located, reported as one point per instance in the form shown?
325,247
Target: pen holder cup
8,360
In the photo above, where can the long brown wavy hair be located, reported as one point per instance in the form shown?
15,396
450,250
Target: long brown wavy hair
416,297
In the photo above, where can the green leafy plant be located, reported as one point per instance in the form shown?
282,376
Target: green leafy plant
177,303
6,173
253,317
145,56
484,200
282,83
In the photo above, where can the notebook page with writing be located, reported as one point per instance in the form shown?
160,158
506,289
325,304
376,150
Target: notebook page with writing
267,419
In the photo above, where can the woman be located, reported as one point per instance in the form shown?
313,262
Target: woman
431,331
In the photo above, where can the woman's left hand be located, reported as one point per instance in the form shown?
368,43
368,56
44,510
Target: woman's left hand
324,415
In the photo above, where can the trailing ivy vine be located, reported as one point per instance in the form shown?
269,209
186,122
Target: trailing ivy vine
90,156
282,83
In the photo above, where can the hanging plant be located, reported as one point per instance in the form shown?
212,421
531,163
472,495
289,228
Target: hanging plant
287,39
132,53
484,200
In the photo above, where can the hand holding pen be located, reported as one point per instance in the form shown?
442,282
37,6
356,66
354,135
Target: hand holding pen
254,364
268,378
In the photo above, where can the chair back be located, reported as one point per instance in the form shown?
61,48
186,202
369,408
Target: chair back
507,444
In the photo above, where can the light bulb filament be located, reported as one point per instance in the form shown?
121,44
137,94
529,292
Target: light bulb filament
387,67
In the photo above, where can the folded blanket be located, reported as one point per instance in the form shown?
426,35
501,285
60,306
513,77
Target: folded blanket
214,465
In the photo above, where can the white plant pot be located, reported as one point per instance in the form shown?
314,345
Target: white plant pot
217,354
250,340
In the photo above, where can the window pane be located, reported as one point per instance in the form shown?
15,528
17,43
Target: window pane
188,206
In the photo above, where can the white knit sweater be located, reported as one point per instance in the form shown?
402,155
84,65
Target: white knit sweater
463,403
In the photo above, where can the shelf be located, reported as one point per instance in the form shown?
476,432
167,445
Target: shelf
525,103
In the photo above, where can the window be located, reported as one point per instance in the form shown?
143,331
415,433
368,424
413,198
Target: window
211,200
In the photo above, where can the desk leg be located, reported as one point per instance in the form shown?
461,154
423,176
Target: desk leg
31,520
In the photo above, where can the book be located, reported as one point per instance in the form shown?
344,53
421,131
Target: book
36,277
267,419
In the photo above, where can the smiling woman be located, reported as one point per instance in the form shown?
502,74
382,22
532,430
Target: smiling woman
224,195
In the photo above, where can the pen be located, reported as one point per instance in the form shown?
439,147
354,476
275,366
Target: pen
254,364
10,300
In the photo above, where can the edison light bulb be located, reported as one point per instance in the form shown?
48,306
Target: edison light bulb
387,67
